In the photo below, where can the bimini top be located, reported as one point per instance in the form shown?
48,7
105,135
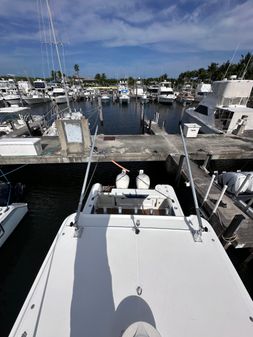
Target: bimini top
130,271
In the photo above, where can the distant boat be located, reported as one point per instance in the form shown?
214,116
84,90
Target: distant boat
105,97
12,98
152,92
202,90
10,213
138,90
124,97
165,93
40,85
59,96
123,92
36,98
224,110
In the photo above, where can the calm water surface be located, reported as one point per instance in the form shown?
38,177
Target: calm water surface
52,193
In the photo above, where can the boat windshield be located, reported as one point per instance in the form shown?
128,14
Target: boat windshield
202,109
167,92
39,85
223,118
235,101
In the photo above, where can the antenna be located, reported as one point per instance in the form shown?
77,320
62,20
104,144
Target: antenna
231,61
191,180
85,181
246,67
57,52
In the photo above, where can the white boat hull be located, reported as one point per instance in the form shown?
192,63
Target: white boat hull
102,281
36,100
166,99
206,126
124,99
10,218
13,101
60,99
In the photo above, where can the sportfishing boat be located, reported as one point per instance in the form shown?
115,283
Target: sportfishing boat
59,96
105,97
12,118
224,110
165,93
138,90
40,85
11,213
124,97
130,263
202,90
152,92
12,97
36,98
123,92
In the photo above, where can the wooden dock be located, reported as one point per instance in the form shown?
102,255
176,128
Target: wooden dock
227,210
155,147
160,146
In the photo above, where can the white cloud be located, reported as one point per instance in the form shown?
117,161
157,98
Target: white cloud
167,28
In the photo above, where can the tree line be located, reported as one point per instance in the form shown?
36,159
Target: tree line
214,72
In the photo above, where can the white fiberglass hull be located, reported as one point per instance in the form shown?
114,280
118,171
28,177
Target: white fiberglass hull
61,99
12,101
124,99
206,125
166,99
36,100
105,98
121,269
10,218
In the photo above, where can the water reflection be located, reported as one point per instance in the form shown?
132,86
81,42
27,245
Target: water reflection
124,118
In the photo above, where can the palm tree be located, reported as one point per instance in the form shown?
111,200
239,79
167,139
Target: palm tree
76,69
98,78
103,78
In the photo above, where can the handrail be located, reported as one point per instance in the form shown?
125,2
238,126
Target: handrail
85,181
191,180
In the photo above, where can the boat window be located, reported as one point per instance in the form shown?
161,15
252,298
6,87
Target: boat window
39,85
136,196
223,118
235,101
202,109
244,100
166,92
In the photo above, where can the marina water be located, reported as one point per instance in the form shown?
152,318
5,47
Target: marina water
52,193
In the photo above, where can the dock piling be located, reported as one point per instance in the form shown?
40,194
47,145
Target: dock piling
179,171
229,232
206,162
100,110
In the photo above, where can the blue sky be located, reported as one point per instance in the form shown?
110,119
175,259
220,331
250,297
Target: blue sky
124,38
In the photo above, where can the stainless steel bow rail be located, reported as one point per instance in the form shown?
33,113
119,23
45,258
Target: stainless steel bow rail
201,228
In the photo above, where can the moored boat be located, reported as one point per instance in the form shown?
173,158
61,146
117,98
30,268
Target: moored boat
11,213
59,96
165,93
224,110
36,98
131,264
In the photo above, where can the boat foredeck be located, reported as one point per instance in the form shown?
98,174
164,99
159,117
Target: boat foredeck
106,276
